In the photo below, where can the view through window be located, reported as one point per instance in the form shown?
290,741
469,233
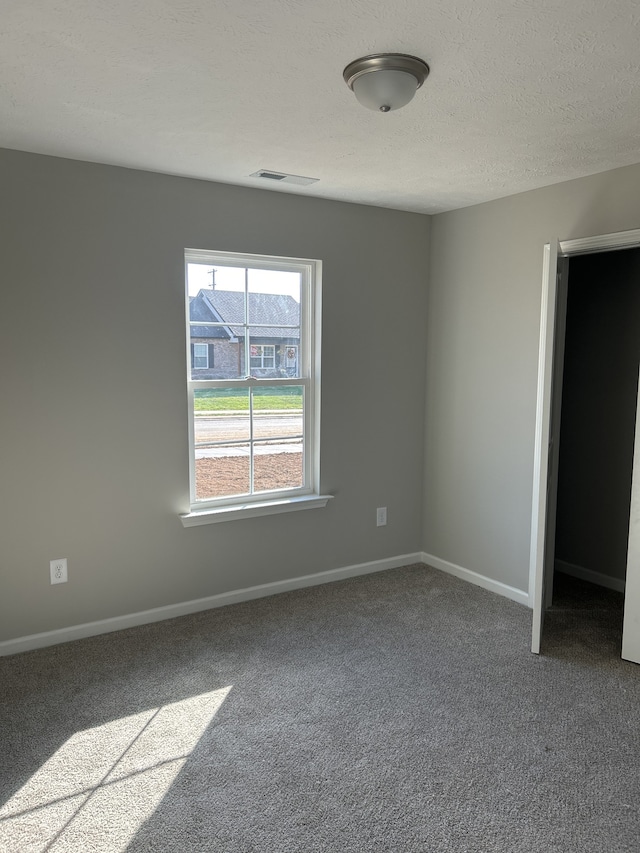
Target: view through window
252,382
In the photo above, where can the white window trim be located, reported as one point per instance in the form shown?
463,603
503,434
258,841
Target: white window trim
228,513
309,497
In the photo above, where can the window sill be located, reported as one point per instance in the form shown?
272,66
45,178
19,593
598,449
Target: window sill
236,511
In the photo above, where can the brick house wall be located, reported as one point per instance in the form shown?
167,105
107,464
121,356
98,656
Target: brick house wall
225,360
228,359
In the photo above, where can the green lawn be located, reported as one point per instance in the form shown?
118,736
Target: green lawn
212,400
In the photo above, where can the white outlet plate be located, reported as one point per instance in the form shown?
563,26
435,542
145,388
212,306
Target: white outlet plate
58,570
381,516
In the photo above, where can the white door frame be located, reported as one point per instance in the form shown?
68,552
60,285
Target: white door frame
552,251
631,617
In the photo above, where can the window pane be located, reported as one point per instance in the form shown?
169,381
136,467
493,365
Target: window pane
273,310
222,471
221,357
220,414
278,411
278,465
216,321
283,292
274,313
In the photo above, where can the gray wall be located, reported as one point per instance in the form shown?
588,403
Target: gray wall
600,383
482,348
93,414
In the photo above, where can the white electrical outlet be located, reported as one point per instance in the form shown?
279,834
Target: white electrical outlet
381,516
58,570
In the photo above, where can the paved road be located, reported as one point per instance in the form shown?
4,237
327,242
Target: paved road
236,427
243,450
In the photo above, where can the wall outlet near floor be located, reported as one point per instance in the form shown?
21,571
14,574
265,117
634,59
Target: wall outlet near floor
381,516
58,570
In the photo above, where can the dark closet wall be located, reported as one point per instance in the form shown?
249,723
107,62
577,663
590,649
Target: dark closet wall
602,354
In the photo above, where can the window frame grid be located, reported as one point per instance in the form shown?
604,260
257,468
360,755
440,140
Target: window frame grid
308,378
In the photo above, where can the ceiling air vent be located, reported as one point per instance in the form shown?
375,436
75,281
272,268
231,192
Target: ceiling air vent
283,178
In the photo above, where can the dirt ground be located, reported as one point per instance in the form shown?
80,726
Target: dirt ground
230,475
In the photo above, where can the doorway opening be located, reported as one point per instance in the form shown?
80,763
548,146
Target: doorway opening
586,436
601,356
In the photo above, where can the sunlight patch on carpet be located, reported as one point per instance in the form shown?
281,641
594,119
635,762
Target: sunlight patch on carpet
97,790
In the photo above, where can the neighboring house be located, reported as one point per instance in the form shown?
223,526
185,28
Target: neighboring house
218,352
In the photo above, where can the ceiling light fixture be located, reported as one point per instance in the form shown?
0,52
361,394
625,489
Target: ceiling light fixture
385,81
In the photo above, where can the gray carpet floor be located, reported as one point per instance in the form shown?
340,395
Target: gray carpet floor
400,711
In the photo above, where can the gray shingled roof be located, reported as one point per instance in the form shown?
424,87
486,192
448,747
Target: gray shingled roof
264,308
199,309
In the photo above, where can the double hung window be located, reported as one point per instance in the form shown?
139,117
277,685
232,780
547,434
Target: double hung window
200,356
254,413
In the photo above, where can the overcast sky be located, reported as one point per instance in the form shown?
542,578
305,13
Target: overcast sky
232,278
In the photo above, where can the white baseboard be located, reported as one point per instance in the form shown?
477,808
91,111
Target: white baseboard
588,575
498,587
158,614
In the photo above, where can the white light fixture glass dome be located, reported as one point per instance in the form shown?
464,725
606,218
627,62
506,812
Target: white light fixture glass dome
385,81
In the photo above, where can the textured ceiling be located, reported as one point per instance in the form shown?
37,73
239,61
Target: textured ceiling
522,93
